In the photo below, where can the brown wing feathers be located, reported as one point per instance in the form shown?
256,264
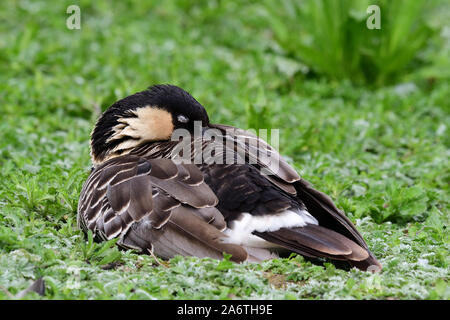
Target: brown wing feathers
256,149
335,237
326,212
331,217
316,241
187,234
126,196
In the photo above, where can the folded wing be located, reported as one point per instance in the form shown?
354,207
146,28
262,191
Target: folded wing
334,237
157,205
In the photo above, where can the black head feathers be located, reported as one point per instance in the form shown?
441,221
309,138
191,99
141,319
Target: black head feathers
149,115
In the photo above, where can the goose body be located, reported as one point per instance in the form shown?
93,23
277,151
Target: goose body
204,196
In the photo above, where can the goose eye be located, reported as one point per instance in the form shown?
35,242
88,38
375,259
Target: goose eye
183,119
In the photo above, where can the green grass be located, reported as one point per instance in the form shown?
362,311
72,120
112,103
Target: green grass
382,154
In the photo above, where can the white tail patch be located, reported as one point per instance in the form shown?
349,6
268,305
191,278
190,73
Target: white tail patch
240,231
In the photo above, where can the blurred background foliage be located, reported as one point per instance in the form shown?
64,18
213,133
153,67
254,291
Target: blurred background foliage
330,37
308,38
